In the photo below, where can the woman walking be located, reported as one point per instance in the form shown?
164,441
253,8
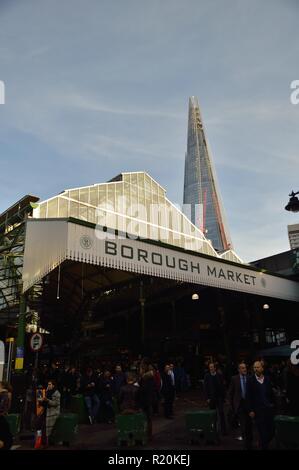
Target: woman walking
51,405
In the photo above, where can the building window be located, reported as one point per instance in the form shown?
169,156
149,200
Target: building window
281,338
277,337
270,336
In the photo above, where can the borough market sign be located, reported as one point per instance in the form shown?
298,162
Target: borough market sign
50,242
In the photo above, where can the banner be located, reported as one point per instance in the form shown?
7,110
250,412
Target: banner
48,243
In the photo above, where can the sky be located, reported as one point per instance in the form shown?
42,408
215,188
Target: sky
97,87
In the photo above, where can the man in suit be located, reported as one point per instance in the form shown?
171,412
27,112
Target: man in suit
237,397
215,393
261,404
168,392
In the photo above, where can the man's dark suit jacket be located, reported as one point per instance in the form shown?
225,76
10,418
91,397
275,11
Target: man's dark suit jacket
168,389
235,392
254,395
214,387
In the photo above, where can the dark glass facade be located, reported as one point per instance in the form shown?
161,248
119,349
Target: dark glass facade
200,187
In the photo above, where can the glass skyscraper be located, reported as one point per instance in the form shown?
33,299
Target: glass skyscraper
202,203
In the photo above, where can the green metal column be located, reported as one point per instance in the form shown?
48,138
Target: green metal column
142,302
20,343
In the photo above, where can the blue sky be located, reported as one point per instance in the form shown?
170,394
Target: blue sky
97,87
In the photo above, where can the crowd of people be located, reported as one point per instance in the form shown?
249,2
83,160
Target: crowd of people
253,396
106,392
245,400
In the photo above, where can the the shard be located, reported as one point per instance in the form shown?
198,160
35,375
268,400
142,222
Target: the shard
202,201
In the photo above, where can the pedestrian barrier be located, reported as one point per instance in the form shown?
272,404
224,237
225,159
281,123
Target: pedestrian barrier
14,422
287,431
65,429
131,429
202,424
78,406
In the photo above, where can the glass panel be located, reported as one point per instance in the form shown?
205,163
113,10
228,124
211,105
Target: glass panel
148,196
102,194
121,223
43,210
111,196
74,209
84,195
161,192
163,222
170,238
133,228
134,193
118,197
111,220
63,207
134,179
148,210
53,208
142,230
154,188
94,196
83,212
141,197
74,194
91,215
140,179
153,232
155,198
147,183
127,194
186,226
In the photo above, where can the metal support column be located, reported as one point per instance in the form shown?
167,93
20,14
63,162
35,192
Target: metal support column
20,343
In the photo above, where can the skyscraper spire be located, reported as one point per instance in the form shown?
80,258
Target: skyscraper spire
200,186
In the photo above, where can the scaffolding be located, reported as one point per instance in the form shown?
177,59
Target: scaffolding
12,241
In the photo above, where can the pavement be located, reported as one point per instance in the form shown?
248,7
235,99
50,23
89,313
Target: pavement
167,434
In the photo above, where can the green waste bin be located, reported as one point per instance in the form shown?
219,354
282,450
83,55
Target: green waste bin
78,406
14,422
287,431
202,424
65,428
131,429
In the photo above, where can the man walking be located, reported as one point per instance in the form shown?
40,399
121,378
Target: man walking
168,392
261,404
237,396
215,393
89,387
